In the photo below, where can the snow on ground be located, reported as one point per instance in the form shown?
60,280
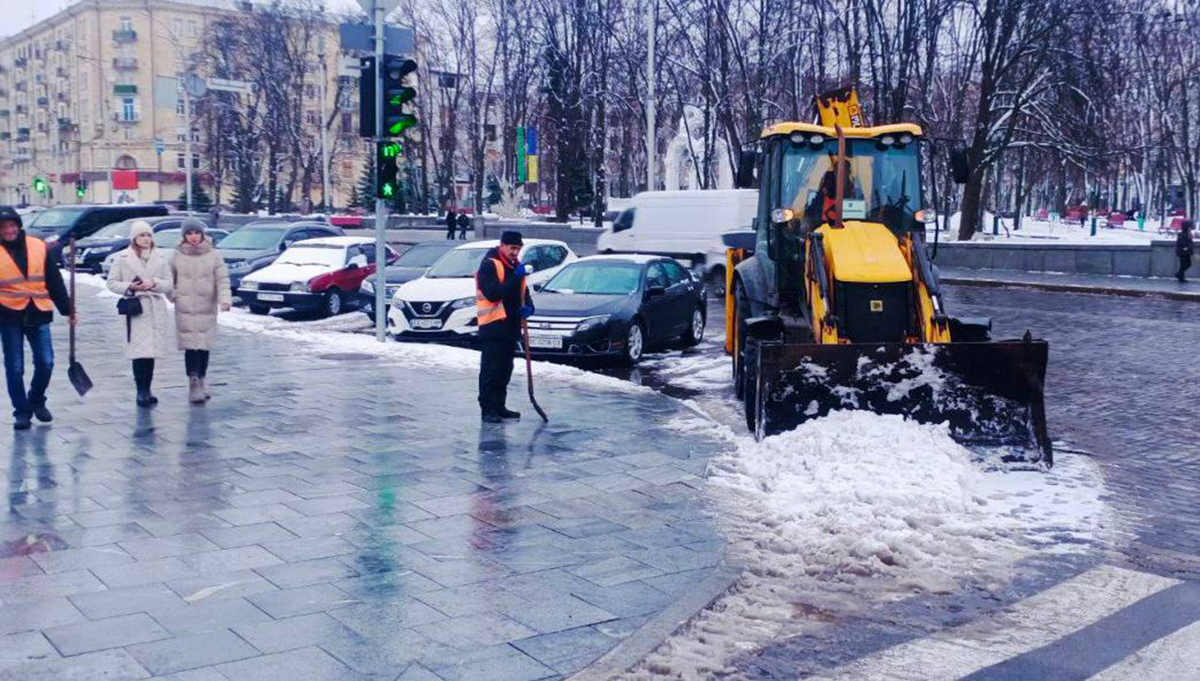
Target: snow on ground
857,509
1061,232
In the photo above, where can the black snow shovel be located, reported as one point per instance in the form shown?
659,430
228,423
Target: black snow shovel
529,371
75,372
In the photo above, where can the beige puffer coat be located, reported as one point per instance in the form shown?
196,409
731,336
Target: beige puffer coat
148,337
201,287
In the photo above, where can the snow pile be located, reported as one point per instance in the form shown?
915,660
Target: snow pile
854,510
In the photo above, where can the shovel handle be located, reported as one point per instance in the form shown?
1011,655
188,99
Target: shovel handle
71,327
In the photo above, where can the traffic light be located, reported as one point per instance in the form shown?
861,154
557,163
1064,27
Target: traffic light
387,164
81,188
40,186
396,95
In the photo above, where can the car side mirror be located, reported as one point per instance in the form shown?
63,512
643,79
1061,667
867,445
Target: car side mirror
654,291
537,287
352,266
283,246
745,170
960,167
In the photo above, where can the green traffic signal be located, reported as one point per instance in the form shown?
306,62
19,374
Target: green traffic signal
397,95
39,185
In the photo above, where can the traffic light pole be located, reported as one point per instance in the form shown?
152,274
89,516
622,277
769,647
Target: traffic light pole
187,149
380,205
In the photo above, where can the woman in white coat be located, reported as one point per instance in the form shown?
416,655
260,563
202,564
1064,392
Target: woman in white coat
143,272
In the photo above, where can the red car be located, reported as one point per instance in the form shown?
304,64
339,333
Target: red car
321,275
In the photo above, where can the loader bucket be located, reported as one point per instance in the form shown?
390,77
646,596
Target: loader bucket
990,393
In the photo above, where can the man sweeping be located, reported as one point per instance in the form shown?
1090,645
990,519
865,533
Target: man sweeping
501,301
30,288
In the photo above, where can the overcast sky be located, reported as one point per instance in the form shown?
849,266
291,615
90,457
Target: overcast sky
17,15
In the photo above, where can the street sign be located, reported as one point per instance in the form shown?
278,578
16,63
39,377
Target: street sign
369,5
223,85
159,145
194,85
396,39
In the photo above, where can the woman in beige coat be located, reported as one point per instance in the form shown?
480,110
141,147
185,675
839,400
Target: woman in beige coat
142,271
201,289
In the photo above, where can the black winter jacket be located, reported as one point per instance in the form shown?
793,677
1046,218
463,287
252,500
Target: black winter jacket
1184,244
509,292
31,316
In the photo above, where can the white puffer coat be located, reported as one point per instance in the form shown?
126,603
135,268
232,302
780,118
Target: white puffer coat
148,337
201,287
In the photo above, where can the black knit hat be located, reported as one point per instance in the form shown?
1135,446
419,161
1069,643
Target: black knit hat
511,238
10,213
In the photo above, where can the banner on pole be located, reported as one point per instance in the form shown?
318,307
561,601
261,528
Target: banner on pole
521,168
532,170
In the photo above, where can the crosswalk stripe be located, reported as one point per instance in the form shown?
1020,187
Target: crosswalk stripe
1172,657
1024,626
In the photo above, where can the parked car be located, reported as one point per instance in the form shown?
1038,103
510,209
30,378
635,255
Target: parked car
258,244
411,264
441,304
166,240
91,252
683,224
56,226
320,275
618,306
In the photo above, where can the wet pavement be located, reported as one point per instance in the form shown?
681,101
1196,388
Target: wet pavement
332,515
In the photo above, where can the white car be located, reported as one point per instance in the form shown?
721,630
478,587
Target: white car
441,304
319,275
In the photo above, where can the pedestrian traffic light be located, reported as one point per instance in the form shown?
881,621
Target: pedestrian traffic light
81,188
387,164
40,186
396,95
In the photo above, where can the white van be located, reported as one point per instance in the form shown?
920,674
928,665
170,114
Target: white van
682,224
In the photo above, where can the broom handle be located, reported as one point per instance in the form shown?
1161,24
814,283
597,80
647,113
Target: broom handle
71,331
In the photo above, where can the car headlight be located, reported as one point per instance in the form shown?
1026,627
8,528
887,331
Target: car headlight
592,323
239,267
51,238
298,287
367,287
462,303
249,286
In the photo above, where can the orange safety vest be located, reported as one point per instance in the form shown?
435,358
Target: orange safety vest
487,311
17,290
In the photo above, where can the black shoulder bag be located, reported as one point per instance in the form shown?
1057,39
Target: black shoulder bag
130,306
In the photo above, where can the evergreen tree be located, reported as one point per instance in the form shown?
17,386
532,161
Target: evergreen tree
201,201
363,195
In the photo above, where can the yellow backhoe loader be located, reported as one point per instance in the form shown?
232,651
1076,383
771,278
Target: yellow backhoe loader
833,303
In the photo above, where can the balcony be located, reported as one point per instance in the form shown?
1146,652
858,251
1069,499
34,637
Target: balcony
43,101
4,113
22,133
124,36
21,156
65,124
125,63
124,89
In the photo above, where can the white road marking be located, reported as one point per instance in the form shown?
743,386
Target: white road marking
1174,657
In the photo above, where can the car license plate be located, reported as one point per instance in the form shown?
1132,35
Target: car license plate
552,342
271,297
427,323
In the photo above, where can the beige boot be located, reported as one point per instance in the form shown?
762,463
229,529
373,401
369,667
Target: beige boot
195,390
204,389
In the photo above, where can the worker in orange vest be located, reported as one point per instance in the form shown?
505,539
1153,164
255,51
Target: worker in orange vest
30,288
501,301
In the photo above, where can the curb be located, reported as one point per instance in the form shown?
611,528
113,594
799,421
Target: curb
1074,288
639,644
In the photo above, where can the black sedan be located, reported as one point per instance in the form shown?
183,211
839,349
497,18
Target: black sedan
258,244
410,265
617,306
91,251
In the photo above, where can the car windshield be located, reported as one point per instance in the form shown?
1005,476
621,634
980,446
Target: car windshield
461,262
326,255
882,182
116,230
420,256
254,238
56,219
168,238
601,279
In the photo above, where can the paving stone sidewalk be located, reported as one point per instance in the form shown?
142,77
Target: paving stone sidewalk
1075,283
337,517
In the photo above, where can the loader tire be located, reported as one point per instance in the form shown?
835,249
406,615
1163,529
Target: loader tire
750,384
740,304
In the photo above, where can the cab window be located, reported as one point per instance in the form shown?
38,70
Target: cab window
624,221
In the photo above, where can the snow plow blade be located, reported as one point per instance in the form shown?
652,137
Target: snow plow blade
990,393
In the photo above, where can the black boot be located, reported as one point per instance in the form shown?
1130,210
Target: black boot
509,414
22,422
492,417
43,414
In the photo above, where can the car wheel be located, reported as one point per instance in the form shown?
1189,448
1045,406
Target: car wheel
333,303
695,330
635,343
260,309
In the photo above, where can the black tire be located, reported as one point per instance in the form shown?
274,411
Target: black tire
260,309
750,384
716,282
633,353
333,304
693,335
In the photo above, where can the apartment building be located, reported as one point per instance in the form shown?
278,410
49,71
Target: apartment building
92,94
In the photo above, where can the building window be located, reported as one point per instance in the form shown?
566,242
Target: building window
193,29
314,118
489,132
125,162
179,106
181,165
126,24
448,80
310,91
128,109
178,28
347,123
